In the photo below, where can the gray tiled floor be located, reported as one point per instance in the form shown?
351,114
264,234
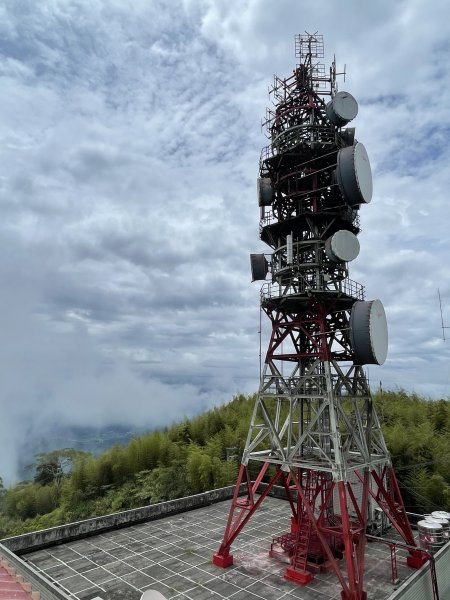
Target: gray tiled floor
173,555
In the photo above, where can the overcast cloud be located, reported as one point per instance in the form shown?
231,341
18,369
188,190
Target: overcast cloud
130,146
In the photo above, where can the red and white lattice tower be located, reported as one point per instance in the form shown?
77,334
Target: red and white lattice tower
314,429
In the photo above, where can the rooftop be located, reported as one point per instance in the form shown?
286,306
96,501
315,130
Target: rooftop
173,555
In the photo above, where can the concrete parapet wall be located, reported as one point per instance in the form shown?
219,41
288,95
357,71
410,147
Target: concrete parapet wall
56,535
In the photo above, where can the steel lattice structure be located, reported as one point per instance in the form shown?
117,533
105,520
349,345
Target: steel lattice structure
314,429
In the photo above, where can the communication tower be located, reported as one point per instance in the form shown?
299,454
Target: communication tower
314,429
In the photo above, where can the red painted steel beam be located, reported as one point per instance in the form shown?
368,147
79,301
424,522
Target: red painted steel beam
354,584
223,558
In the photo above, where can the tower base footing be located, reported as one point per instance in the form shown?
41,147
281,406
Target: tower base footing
299,577
345,596
415,560
222,561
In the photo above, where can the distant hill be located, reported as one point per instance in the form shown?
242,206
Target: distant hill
203,453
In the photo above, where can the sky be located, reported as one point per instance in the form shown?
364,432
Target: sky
130,141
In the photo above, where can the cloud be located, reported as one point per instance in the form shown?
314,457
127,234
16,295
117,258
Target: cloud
130,148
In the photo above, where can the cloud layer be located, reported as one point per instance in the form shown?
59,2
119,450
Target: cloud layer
130,146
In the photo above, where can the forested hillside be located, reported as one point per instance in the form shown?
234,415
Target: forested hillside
203,453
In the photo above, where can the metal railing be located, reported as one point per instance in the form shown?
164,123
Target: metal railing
270,218
301,287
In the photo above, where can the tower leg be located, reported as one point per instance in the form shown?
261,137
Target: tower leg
242,509
389,499
353,539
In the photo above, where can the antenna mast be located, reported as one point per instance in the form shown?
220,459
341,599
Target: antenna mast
314,428
442,318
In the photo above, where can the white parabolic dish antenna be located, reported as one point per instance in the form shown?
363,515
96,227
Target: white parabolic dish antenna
354,175
368,332
342,109
342,246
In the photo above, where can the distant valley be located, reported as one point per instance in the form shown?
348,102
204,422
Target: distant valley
88,439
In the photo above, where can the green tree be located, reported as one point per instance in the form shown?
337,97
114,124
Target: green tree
54,466
21,501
